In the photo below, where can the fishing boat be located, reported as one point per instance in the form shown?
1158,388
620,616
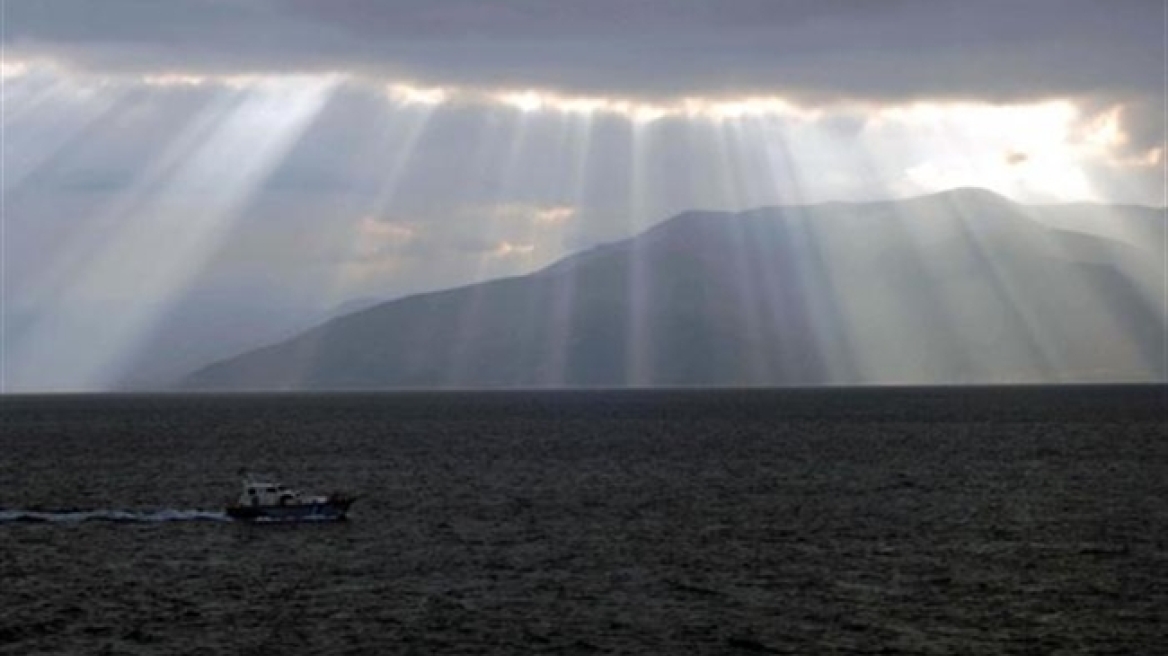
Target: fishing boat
265,499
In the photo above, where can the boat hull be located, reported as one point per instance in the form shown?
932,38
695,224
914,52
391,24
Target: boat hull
332,510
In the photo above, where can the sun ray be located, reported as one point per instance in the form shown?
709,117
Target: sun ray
565,305
499,153
70,262
177,227
1003,282
639,347
48,126
939,316
743,152
817,286
390,149
732,148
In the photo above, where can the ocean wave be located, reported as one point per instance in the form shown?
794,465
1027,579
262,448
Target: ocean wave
72,516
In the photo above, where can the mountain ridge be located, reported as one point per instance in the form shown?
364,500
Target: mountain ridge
961,287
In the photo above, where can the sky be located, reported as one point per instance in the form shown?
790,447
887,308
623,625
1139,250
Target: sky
250,166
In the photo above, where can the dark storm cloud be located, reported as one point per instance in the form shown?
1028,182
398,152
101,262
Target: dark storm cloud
989,49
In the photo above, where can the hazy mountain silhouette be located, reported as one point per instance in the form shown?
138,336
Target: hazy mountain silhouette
959,287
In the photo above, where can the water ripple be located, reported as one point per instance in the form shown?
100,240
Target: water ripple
72,516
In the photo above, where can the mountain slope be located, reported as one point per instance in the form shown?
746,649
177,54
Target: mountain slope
959,287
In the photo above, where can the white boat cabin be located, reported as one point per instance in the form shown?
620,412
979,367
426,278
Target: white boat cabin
265,493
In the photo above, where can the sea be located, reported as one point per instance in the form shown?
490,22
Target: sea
997,520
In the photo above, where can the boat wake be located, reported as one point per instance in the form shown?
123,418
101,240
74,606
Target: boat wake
117,516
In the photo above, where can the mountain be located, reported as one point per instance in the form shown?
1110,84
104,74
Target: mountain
962,287
205,327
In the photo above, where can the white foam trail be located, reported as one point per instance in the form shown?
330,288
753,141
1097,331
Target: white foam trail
125,516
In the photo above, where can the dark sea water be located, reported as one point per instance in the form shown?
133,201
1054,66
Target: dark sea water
984,521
